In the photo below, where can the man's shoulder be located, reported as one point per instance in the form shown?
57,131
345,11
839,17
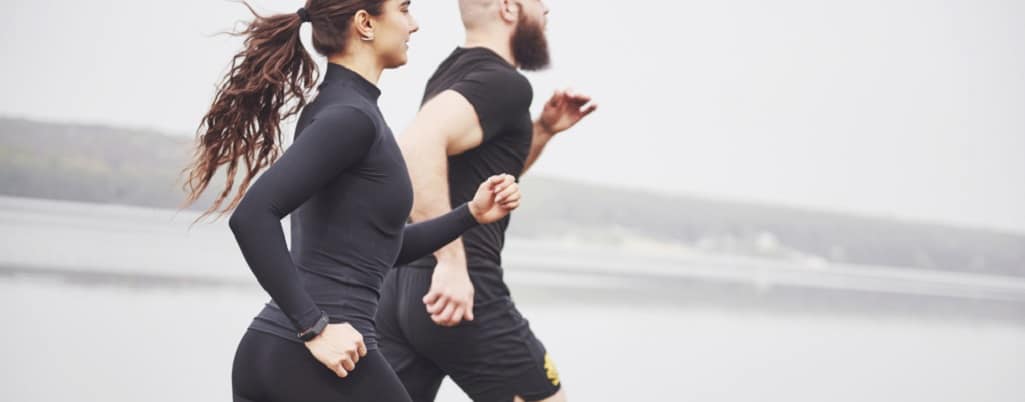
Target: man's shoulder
466,61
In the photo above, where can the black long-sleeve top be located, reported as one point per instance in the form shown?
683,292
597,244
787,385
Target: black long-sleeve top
346,186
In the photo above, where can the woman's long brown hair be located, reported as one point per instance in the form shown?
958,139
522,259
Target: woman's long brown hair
266,83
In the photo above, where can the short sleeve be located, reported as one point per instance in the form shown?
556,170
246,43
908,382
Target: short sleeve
499,95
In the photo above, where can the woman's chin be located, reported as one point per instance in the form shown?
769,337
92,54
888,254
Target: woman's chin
399,61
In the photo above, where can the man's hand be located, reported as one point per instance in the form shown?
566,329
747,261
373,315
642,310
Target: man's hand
450,299
565,109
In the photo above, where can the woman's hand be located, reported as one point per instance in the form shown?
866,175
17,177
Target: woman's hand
339,348
496,197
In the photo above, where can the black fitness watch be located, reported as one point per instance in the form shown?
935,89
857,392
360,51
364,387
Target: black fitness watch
315,330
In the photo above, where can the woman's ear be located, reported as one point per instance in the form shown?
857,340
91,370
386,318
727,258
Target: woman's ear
363,23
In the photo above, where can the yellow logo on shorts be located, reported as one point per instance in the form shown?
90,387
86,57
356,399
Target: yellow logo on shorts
550,370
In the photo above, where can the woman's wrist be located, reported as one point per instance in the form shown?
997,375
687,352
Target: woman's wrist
313,332
474,211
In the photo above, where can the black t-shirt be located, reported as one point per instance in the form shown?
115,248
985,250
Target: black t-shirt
347,188
501,96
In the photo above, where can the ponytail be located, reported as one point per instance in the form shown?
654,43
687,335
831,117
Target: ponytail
267,83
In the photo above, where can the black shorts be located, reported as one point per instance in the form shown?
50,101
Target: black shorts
268,368
492,358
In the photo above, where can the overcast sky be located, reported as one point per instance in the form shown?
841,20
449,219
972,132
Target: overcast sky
912,109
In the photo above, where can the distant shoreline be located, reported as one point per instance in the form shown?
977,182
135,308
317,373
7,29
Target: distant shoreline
686,295
117,166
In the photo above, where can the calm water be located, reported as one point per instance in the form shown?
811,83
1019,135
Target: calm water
123,304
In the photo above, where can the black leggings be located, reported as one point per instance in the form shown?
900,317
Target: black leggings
268,368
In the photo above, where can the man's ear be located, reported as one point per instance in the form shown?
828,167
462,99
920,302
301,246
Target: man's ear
509,10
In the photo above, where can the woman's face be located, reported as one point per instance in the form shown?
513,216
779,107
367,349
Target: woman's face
392,30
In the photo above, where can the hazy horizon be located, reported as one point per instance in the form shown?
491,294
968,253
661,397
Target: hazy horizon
914,113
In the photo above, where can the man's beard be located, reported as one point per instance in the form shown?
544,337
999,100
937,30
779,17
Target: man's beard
529,45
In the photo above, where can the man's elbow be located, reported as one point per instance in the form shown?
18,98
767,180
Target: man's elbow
428,207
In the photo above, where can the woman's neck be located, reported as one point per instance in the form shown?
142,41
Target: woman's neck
366,67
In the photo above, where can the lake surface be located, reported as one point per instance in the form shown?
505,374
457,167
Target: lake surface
112,303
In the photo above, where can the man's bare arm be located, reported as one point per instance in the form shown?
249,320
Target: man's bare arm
562,111
446,125
540,139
